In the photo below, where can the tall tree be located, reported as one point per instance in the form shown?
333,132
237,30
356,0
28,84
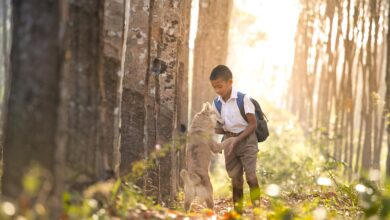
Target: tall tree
32,116
114,35
81,91
369,131
134,81
154,95
4,59
67,61
172,50
387,96
211,46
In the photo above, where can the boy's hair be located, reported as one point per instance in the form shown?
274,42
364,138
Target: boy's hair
221,71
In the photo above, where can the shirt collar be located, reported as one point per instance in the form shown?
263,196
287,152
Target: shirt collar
233,95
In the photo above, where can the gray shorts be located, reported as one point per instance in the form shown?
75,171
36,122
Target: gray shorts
243,158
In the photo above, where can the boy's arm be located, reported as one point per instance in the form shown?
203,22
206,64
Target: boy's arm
249,129
251,118
215,146
219,129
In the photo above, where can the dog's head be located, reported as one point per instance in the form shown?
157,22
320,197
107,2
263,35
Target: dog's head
206,118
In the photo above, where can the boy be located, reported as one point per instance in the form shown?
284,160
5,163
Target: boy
241,155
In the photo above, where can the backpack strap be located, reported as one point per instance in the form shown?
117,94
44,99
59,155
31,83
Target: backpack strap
218,105
240,103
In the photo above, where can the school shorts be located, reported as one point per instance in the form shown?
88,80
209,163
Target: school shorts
243,158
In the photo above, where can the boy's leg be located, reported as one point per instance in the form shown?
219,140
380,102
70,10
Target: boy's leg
235,171
248,156
254,191
238,199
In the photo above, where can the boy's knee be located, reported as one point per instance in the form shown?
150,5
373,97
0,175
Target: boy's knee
235,171
238,182
251,178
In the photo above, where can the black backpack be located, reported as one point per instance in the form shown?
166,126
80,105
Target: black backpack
261,129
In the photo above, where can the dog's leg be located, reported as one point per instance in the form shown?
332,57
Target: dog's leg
210,202
189,196
209,199
209,195
189,189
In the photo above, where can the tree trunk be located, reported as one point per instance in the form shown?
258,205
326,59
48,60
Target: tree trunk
32,117
61,107
377,66
155,92
134,84
81,92
182,86
4,77
367,146
114,35
171,50
211,46
387,97
32,106
363,104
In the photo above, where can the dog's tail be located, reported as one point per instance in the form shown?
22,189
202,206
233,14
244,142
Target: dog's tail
191,179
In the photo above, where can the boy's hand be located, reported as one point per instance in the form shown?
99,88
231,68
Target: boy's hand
229,144
219,131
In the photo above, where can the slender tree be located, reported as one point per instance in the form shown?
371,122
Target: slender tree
114,35
133,106
211,46
387,96
4,82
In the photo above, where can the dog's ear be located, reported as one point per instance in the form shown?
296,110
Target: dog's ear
206,107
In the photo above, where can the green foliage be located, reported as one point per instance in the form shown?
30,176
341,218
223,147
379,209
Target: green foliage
31,181
312,184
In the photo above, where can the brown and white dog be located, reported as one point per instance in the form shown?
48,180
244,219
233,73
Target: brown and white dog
200,144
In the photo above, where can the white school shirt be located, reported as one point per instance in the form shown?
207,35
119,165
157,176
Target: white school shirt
230,116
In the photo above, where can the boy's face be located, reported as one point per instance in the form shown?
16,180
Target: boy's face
221,86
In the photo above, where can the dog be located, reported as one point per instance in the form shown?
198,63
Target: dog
200,144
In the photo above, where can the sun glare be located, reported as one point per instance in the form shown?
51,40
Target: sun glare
261,51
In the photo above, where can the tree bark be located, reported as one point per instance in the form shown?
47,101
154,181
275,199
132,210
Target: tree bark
183,88
172,51
363,105
114,35
387,96
367,146
134,84
58,107
31,122
5,75
155,90
80,92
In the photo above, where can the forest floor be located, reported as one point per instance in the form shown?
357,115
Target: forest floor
298,180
